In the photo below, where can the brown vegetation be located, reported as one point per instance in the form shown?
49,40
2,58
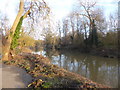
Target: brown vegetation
47,75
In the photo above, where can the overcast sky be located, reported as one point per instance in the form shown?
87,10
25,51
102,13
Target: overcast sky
60,8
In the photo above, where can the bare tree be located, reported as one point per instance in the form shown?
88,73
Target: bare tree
65,30
30,9
72,21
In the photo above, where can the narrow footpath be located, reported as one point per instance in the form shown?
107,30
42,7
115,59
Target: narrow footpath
13,77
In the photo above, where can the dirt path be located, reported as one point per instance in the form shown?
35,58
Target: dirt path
13,77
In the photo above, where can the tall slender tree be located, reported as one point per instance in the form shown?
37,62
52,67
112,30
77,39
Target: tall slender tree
22,13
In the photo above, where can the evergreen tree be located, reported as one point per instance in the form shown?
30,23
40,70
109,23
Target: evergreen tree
93,37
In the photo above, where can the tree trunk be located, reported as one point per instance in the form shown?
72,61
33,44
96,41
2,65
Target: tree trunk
6,47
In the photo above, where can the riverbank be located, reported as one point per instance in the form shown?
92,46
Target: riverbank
103,52
47,75
106,52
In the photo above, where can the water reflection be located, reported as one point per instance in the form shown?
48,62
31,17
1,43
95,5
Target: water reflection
98,69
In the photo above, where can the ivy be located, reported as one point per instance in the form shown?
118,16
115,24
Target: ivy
16,36
93,37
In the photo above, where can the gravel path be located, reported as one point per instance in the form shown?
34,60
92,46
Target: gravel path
13,77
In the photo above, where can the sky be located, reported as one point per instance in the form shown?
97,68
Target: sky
63,7
60,8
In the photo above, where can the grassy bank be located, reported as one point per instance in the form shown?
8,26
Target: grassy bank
47,75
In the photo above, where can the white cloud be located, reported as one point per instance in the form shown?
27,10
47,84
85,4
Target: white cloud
9,8
61,7
109,6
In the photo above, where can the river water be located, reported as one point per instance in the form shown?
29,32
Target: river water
99,69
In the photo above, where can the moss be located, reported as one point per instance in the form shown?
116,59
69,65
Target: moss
16,35
47,85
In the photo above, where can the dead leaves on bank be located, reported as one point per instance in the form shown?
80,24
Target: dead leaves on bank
47,75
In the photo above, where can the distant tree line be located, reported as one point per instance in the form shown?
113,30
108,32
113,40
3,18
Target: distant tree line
85,28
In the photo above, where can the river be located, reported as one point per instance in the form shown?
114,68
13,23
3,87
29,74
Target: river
99,69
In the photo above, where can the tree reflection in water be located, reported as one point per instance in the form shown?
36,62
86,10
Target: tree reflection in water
98,69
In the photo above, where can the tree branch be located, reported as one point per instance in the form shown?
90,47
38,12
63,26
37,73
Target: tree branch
27,13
